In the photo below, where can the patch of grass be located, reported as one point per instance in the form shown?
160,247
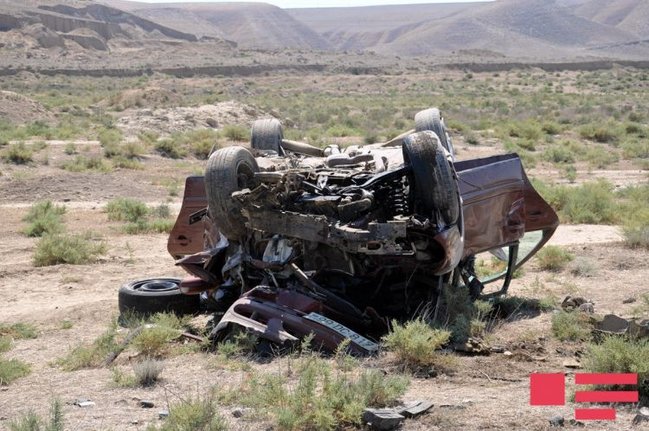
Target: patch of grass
171,148
5,344
415,344
30,421
126,209
236,133
44,218
602,134
91,355
616,354
12,369
146,373
18,331
54,249
159,330
553,258
571,326
18,154
70,149
318,398
196,414
83,163
636,235
583,267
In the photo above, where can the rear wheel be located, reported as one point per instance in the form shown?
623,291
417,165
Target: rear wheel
267,135
431,119
435,186
155,295
228,170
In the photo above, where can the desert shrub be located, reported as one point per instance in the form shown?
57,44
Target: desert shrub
592,202
91,355
553,258
147,372
30,421
148,137
472,139
70,149
319,398
636,149
12,369
601,134
109,137
236,133
616,354
126,163
583,267
196,414
126,209
44,218
18,154
54,249
571,326
171,148
5,343
18,331
529,130
558,154
415,343
155,337
83,163
636,235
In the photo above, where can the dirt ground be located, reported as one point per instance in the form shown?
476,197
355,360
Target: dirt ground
485,393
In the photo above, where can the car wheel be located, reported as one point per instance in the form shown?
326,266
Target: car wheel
267,135
431,119
155,295
435,185
228,170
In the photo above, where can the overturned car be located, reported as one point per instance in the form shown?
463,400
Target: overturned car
285,239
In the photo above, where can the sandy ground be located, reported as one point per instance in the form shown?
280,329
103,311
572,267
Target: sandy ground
485,393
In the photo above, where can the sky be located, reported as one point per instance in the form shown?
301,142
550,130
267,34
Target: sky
323,3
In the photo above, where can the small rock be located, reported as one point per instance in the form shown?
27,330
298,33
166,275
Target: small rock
135,422
575,423
639,329
382,419
644,411
84,403
163,414
507,353
239,413
571,363
629,301
557,421
569,303
146,404
497,349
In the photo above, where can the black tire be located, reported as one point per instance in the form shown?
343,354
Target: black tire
228,170
155,295
431,119
267,135
435,186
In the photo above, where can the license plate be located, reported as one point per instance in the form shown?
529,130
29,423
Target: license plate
355,338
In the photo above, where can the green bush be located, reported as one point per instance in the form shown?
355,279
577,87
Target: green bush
616,354
415,343
83,163
319,399
171,148
126,209
18,331
553,258
571,326
54,249
236,133
18,154
30,421
195,414
12,369
44,218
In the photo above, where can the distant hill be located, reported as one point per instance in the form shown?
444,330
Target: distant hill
93,26
519,28
250,25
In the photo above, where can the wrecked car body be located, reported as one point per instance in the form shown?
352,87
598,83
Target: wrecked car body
286,240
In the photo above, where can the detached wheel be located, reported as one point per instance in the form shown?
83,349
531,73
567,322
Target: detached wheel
156,295
228,170
431,119
267,135
435,186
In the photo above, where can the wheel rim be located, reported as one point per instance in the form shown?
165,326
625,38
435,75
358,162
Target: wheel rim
156,286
